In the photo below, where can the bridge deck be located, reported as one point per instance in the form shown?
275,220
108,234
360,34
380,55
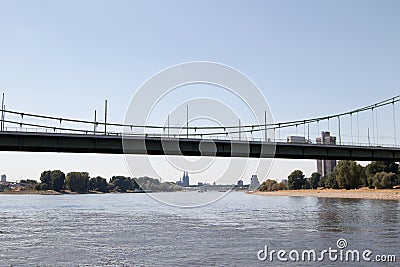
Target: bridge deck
112,144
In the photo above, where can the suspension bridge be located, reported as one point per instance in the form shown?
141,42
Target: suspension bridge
355,135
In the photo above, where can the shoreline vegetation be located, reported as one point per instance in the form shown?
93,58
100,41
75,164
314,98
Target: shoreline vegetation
348,179
56,182
65,192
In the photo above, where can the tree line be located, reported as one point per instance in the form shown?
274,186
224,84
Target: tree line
81,182
346,175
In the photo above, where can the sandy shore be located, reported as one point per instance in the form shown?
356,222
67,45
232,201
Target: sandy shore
363,193
30,192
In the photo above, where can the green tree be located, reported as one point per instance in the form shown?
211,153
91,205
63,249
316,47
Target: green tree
348,174
374,167
77,182
378,166
121,183
384,180
268,185
41,187
363,176
315,179
322,181
110,187
57,180
296,180
29,181
45,178
392,167
98,184
330,181
126,183
306,184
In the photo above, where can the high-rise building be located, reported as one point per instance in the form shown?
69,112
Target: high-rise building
3,178
325,167
254,183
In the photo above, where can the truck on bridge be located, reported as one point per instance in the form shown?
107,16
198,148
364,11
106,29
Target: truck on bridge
296,139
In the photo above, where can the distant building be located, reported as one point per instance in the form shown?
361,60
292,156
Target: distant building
284,180
325,167
240,183
184,181
254,182
3,178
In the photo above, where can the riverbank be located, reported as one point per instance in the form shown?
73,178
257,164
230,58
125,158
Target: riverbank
362,193
66,192
30,192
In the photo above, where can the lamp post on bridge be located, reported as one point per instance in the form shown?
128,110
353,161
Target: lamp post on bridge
187,121
105,117
95,122
2,113
265,126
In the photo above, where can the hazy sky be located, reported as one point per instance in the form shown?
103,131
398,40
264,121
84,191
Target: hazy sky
309,58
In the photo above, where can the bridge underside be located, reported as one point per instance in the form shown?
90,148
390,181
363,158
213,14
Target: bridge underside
77,143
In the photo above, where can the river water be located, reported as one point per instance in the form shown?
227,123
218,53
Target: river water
135,230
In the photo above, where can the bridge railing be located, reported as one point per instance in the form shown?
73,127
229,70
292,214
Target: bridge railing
270,132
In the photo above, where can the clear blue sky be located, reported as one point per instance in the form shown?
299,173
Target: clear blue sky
64,58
